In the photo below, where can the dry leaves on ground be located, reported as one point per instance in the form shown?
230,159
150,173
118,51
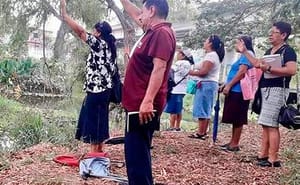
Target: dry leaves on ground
177,160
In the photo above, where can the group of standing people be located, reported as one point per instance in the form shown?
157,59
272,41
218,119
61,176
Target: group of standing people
235,109
145,86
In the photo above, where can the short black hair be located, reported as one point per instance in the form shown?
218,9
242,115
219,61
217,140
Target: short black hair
284,27
162,7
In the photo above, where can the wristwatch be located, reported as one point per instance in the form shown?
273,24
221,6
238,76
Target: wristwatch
269,70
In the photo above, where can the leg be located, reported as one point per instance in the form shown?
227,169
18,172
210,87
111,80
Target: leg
173,120
179,111
97,147
274,141
203,124
264,151
178,120
236,135
138,157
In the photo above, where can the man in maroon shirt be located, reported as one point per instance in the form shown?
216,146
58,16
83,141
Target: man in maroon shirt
145,85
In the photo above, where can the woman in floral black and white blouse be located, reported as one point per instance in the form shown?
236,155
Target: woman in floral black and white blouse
100,66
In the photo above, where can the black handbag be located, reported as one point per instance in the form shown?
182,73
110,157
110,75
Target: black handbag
289,116
116,91
257,102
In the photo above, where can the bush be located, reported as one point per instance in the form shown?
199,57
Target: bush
27,131
22,127
10,69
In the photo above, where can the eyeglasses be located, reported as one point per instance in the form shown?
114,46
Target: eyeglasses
271,32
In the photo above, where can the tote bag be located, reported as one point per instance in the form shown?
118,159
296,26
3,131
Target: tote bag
249,84
191,86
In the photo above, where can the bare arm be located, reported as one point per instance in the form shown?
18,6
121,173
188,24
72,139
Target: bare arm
242,48
132,10
155,83
204,70
254,61
240,75
289,69
79,30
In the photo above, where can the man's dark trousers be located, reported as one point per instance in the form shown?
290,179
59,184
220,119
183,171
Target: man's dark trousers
138,156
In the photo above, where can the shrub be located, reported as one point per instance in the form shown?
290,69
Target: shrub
10,69
27,131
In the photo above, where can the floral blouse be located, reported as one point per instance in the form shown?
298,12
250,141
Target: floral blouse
99,67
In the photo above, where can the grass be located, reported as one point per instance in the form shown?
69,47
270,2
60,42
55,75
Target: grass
24,127
4,163
292,155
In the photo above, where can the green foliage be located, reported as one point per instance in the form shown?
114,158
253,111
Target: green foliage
90,12
62,134
8,111
10,69
21,127
228,18
4,163
29,130
181,11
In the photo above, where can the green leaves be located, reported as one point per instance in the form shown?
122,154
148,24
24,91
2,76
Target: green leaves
10,69
227,18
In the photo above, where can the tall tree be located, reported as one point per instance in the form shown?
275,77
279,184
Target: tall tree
229,17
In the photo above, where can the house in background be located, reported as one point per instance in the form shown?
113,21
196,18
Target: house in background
35,44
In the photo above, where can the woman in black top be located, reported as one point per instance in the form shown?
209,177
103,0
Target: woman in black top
272,90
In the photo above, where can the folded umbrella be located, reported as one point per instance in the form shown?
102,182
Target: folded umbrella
216,118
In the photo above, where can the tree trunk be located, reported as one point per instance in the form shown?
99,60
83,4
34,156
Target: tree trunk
128,27
59,51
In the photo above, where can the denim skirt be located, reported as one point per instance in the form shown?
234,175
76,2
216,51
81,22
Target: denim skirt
204,99
93,118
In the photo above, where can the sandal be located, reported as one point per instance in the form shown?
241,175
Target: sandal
228,148
224,146
268,164
233,149
259,159
115,140
198,136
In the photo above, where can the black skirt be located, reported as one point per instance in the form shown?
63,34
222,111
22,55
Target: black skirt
93,119
235,109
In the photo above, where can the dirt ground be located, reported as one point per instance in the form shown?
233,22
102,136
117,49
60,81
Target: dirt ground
177,160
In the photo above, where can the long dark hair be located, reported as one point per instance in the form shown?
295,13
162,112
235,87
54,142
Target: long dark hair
106,34
218,46
248,42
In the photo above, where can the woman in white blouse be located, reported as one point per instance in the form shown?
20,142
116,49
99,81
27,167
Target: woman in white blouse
207,76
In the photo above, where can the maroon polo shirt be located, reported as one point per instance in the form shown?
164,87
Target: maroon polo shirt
158,42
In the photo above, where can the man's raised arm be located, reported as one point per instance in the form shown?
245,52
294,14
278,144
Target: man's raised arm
132,10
